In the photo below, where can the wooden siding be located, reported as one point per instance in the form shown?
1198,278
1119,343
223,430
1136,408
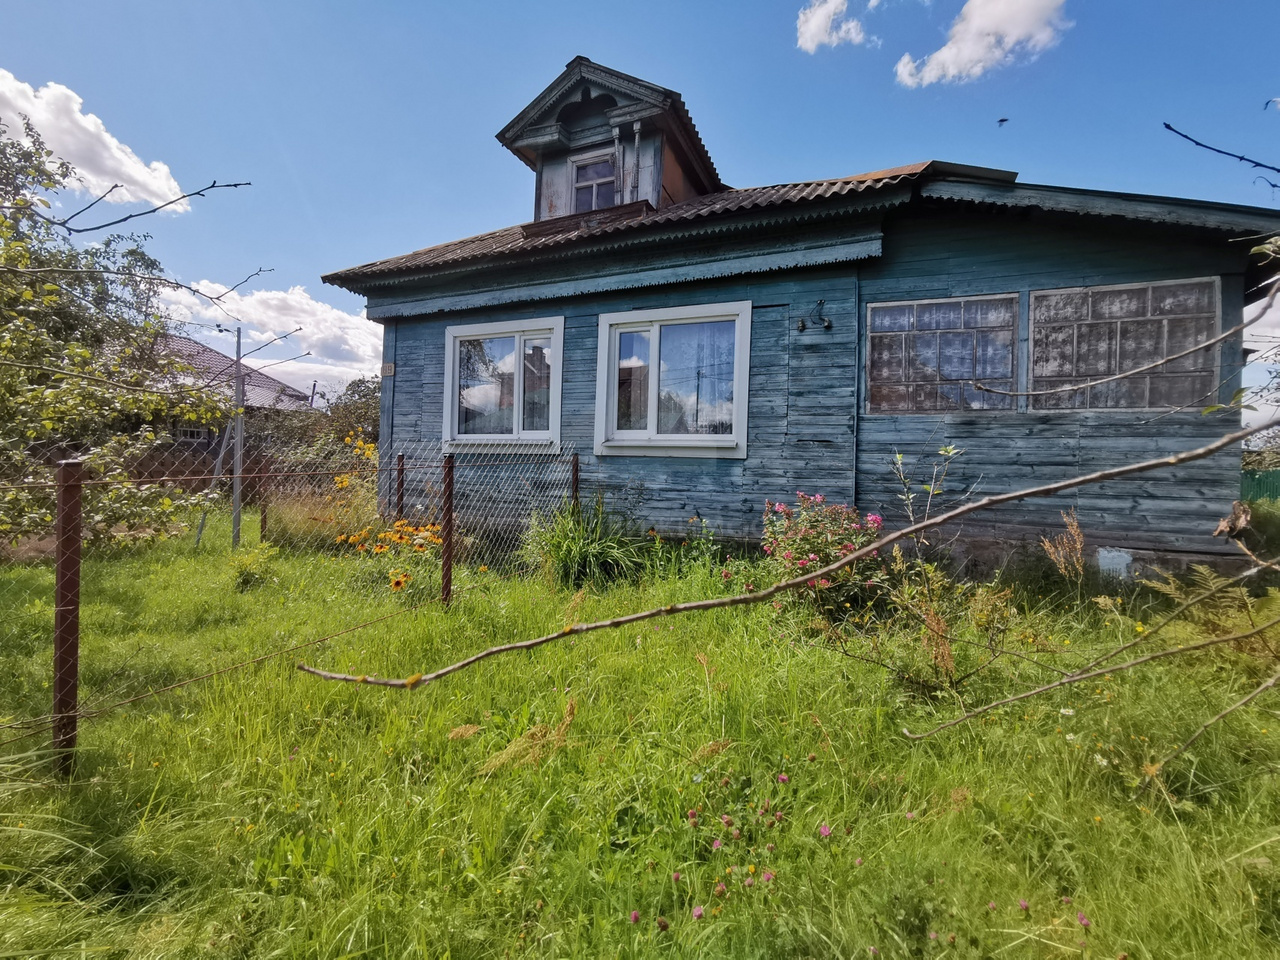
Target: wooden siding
806,427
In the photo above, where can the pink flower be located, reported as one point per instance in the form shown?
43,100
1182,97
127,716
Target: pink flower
824,830
875,520
697,913
766,876
824,582
749,882
726,820
737,834
692,814
991,905
783,778
813,556
1066,900
768,550
719,890
1084,921
910,815
786,555
802,564
635,916
858,862
1024,906
675,877
716,845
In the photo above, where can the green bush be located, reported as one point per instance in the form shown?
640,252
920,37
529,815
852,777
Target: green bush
251,567
814,534
575,545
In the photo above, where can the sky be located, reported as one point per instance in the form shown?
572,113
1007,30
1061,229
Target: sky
367,130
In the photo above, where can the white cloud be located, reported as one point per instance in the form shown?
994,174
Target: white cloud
83,140
343,345
986,34
823,23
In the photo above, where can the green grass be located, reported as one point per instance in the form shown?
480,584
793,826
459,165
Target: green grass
267,813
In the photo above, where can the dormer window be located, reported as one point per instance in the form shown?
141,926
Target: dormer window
593,183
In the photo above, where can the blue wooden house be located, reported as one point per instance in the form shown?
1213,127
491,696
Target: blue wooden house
709,347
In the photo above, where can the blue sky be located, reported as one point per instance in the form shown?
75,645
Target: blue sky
368,130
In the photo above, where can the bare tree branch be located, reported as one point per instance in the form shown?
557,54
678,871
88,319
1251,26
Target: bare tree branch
1243,702
64,223
93,203
1094,674
1256,164
420,679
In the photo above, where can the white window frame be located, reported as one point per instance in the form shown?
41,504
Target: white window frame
648,443
584,161
542,441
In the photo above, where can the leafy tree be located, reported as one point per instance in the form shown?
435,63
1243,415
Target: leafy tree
357,408
80,370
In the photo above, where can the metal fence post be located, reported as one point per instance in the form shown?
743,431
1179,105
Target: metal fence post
399,486
575,478
262,516
446,534
66,612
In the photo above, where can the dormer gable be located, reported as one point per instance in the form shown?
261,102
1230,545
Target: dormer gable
598,138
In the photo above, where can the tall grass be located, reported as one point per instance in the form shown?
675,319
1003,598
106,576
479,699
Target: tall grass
576,545
268,814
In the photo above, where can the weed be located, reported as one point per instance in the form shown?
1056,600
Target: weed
252,566
578,545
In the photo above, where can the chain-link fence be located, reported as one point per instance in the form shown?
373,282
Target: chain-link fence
343,518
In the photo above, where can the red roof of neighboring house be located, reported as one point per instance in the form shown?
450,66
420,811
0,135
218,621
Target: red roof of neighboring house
216,369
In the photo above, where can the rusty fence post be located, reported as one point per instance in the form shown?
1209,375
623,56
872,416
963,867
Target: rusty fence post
446,534
575,478
399,486
66,613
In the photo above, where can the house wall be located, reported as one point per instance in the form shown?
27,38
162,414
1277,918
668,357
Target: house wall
807,395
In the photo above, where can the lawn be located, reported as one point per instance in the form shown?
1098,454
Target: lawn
705,785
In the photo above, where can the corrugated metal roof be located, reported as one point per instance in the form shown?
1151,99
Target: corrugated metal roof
940,181
217,370
540,235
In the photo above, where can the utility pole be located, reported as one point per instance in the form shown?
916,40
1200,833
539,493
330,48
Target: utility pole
697,399
238,450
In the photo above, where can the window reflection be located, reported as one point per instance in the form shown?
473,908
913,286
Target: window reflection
695,378
633,380
537,384
486,386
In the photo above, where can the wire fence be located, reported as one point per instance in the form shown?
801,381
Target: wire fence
381,521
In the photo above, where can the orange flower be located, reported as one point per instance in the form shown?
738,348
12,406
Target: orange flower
362,547
380,548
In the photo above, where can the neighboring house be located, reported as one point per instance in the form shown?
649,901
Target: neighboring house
262,392
717,347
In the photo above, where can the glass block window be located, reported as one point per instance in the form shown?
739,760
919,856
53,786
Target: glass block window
924,355
1089,333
